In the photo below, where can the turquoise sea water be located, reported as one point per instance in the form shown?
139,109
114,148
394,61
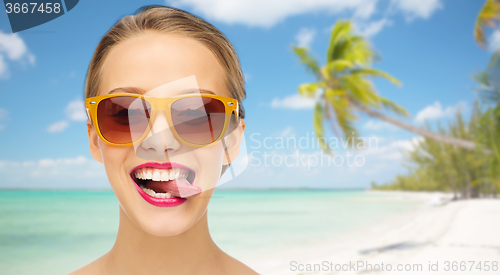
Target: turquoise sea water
55,232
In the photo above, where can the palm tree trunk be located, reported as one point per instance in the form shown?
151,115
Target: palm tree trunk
423,132
453,186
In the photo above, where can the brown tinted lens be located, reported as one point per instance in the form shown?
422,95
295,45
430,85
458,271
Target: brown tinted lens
198,120
122,118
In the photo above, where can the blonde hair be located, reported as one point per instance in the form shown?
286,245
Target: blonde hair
173,21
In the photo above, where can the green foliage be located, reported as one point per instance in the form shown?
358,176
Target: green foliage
309,89
344,45
488,16
436,166
344,80
310,63
489,81
318,126
489,92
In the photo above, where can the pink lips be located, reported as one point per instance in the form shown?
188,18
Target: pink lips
160,202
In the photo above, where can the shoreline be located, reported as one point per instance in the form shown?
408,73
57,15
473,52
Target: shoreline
431,232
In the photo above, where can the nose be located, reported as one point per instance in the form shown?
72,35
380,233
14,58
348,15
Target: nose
159,142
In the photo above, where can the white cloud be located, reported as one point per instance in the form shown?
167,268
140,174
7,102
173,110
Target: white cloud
436,111
13,47
494,41
293,102
378,125
77,172
3,67
56,162
408,145
394,150
305,37
58,126
365,10
417,8
267,13
370,29
76,110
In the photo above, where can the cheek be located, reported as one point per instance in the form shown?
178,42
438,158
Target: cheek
114,159
210,160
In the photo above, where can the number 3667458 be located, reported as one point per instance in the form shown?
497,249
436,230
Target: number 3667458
33,8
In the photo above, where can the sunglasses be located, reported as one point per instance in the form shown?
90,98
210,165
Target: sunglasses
194,119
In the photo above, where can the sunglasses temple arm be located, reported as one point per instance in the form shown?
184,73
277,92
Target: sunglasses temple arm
87,111
228,159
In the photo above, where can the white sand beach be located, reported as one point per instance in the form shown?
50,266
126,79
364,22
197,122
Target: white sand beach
440,237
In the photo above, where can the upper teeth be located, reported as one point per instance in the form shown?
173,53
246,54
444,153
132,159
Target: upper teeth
161,174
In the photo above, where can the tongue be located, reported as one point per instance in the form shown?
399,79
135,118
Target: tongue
178,187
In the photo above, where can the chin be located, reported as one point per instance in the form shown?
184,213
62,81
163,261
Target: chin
163,222
166,228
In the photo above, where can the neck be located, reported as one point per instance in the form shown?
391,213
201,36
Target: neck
138,252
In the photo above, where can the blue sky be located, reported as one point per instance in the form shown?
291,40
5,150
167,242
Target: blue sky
427,44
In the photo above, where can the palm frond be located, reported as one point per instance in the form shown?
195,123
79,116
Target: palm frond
318,117
360,89
488,16
359,51
340,30
344,115
306,59
310,89
344,45
489,81
495,60
375,73
393,107
339,65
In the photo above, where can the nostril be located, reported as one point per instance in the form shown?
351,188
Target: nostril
156,146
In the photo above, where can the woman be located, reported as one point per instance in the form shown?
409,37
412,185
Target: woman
164,177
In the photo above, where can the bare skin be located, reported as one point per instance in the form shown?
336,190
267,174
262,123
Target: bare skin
136,252
151,239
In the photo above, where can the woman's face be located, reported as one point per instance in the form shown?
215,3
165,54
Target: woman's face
145,62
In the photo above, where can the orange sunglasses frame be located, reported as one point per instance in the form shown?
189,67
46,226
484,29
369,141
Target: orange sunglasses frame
164,103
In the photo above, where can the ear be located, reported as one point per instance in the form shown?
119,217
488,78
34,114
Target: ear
94,142
233,141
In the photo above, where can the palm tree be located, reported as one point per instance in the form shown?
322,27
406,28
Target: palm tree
489,81
342,87
489,133
434,165
489,91
488,16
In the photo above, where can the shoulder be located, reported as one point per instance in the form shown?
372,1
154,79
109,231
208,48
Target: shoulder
233,266
95,268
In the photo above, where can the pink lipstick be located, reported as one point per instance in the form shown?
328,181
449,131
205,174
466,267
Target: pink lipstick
164,184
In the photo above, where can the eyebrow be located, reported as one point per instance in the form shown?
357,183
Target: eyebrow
203,91
135,90
132,90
